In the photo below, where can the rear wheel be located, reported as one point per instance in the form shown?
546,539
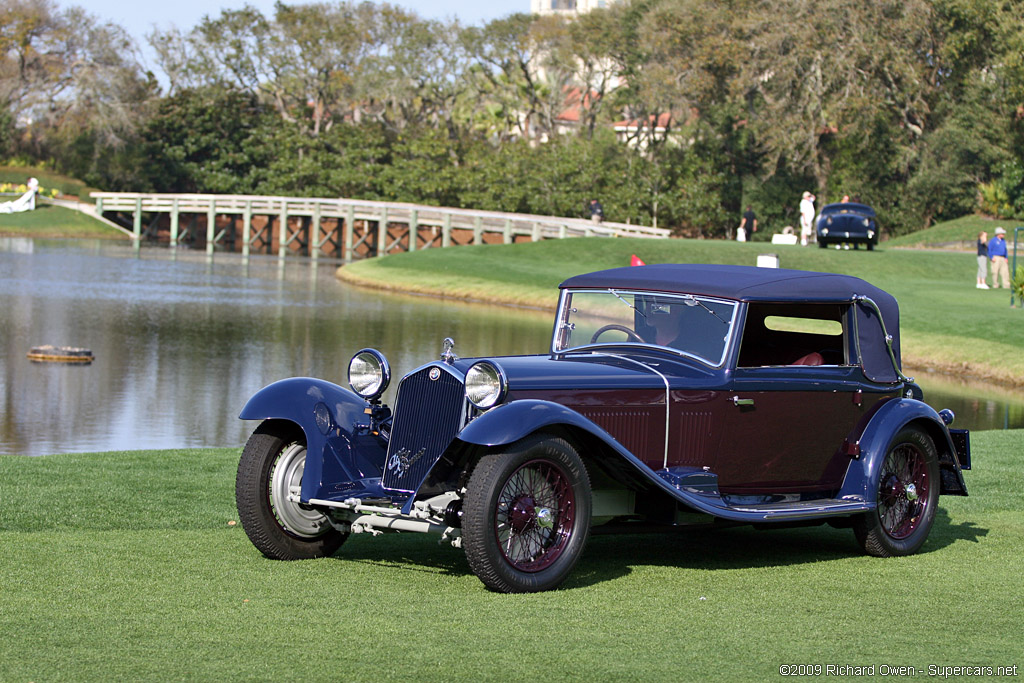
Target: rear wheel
267,491
908,493
526,515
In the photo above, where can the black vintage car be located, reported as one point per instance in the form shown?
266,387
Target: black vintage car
671,395
847,223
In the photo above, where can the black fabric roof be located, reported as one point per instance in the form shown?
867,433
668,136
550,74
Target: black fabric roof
746,283
749,283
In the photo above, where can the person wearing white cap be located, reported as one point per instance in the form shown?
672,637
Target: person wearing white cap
997,255
806,217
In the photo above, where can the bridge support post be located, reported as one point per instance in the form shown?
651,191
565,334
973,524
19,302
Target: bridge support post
211,227
414,229
246,227
446,231
478,230
313,236
174,223
137,219
382,232
506,234
350,229
282,235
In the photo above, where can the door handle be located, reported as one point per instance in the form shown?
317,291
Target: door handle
737,401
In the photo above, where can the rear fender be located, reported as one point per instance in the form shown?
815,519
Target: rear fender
340,450
861,481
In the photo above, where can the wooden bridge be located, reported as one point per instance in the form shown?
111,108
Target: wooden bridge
345,229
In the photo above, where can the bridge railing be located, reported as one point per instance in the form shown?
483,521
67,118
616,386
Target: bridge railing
356,227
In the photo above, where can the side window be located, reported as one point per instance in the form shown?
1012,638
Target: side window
802,334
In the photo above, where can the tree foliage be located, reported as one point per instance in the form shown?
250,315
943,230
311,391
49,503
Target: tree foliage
915,106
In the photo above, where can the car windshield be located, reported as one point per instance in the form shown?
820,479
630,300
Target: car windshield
696,326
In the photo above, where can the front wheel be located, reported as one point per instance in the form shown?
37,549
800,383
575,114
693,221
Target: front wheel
267,491
526,515
908,493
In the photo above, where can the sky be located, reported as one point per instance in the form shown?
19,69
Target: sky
139,18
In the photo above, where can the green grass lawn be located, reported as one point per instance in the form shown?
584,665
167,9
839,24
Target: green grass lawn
946,323
51,221
125,566
961,233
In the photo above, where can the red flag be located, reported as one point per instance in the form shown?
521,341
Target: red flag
635,261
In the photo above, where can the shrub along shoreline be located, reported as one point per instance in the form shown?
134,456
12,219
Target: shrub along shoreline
947,325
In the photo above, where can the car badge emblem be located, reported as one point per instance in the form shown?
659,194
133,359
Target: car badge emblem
434,373
400,462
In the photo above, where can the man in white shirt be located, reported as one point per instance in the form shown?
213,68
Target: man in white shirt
806,217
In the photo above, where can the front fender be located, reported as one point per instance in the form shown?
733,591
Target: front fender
339,449
862,477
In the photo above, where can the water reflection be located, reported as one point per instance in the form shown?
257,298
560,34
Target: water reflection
977,405
182,340
180,346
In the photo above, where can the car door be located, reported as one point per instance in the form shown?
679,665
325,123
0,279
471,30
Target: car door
795,396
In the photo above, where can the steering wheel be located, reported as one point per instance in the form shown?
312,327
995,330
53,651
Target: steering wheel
621,328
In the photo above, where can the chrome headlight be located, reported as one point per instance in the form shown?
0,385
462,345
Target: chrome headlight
485,385
866,222
369,373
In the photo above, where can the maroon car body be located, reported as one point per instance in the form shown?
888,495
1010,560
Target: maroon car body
671,395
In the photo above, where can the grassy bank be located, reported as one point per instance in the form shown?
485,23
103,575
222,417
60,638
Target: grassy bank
961,233
125,566
947,324
49,221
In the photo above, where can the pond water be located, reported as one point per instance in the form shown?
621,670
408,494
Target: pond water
182,340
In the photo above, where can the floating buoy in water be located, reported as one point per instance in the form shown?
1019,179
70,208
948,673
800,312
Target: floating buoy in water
60,354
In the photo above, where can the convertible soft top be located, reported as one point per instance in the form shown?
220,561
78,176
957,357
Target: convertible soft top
776,285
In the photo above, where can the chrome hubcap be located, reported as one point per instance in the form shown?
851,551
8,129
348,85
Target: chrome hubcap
911,492
545,519
285,489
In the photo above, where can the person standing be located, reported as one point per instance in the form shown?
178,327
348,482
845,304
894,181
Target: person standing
997,254
596,211
982,260
806,217
748,225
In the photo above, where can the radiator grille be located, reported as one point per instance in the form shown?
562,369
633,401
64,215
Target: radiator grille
428,415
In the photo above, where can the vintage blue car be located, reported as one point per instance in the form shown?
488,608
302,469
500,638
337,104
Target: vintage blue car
847,223
671,395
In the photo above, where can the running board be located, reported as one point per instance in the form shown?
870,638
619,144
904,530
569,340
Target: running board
825,507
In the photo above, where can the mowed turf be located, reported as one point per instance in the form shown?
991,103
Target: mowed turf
50,221
946,323
126,566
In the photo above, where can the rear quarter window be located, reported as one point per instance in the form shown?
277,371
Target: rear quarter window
802,334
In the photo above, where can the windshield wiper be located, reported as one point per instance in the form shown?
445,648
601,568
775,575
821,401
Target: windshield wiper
691,300
617,296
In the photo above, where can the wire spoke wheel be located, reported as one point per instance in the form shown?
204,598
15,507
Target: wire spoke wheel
908,491
526,515
903,493
534,516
